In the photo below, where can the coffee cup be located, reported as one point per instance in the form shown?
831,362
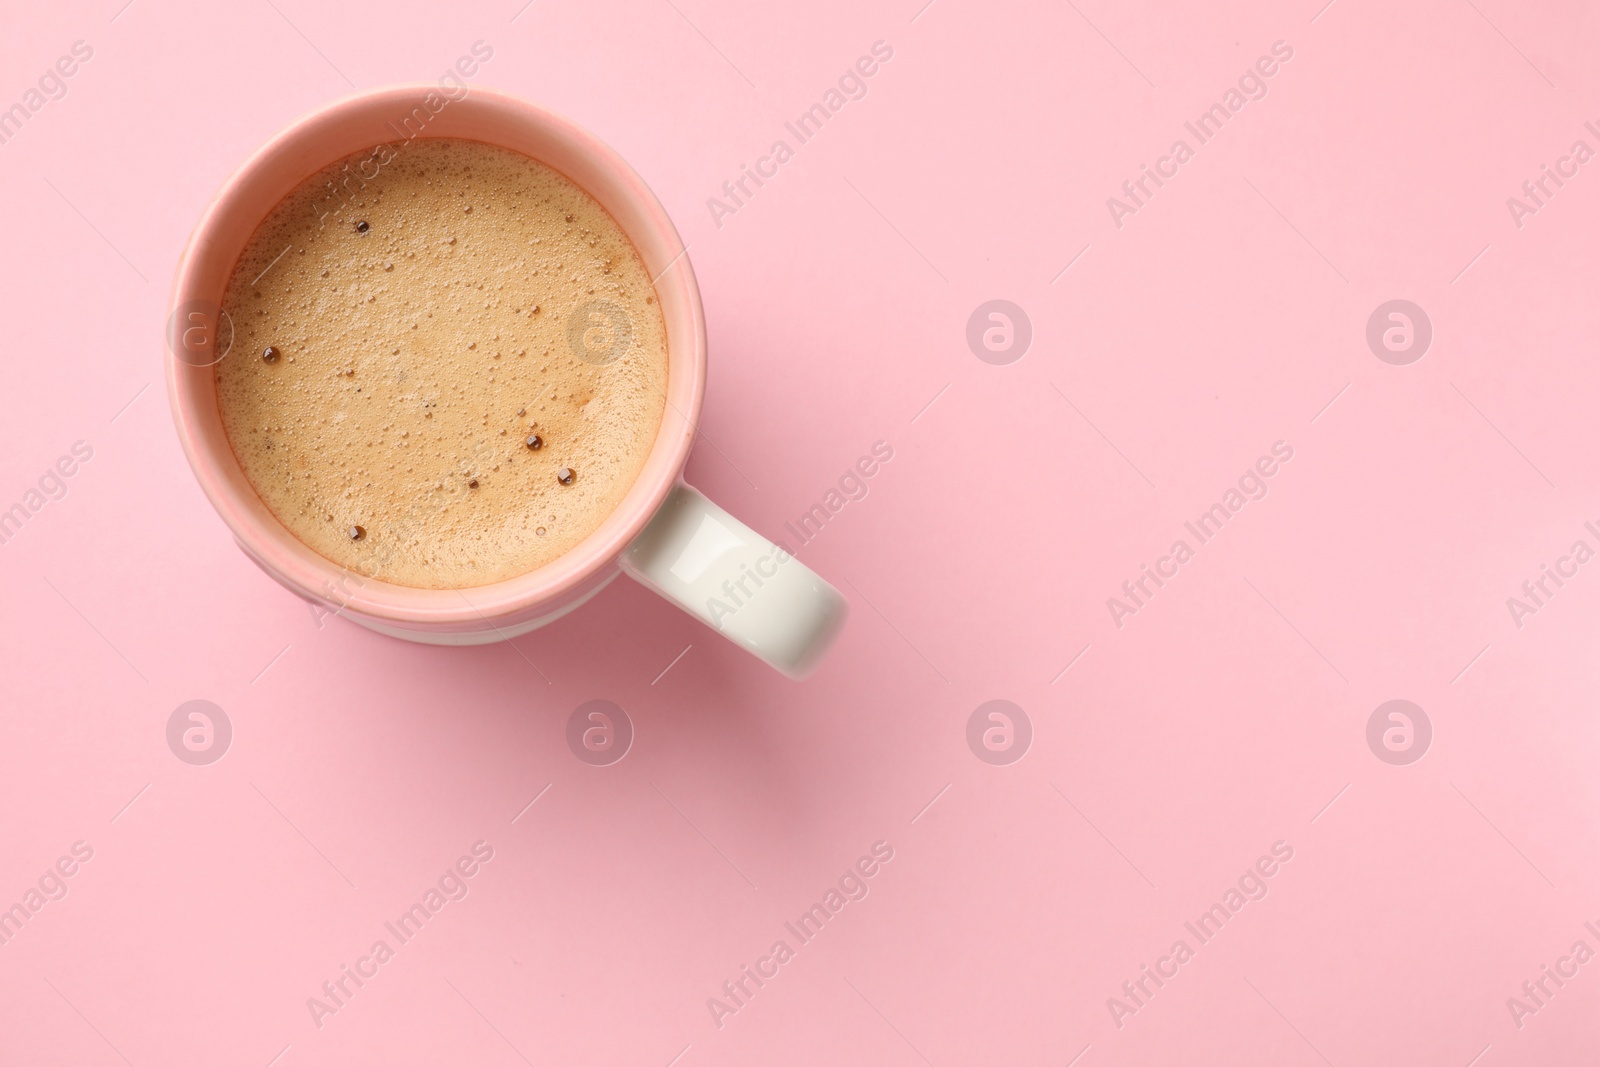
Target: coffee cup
664,533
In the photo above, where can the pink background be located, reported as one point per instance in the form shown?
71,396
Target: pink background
1225,716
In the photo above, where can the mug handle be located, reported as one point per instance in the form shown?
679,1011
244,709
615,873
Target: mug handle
748,589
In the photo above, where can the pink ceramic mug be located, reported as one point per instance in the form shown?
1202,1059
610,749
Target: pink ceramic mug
665,533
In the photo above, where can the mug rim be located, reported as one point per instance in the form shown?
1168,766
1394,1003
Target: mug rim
229,221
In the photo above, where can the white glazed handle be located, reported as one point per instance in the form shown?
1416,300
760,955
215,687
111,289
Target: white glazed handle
737,582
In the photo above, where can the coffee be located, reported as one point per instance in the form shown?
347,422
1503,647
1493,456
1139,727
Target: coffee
446,374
